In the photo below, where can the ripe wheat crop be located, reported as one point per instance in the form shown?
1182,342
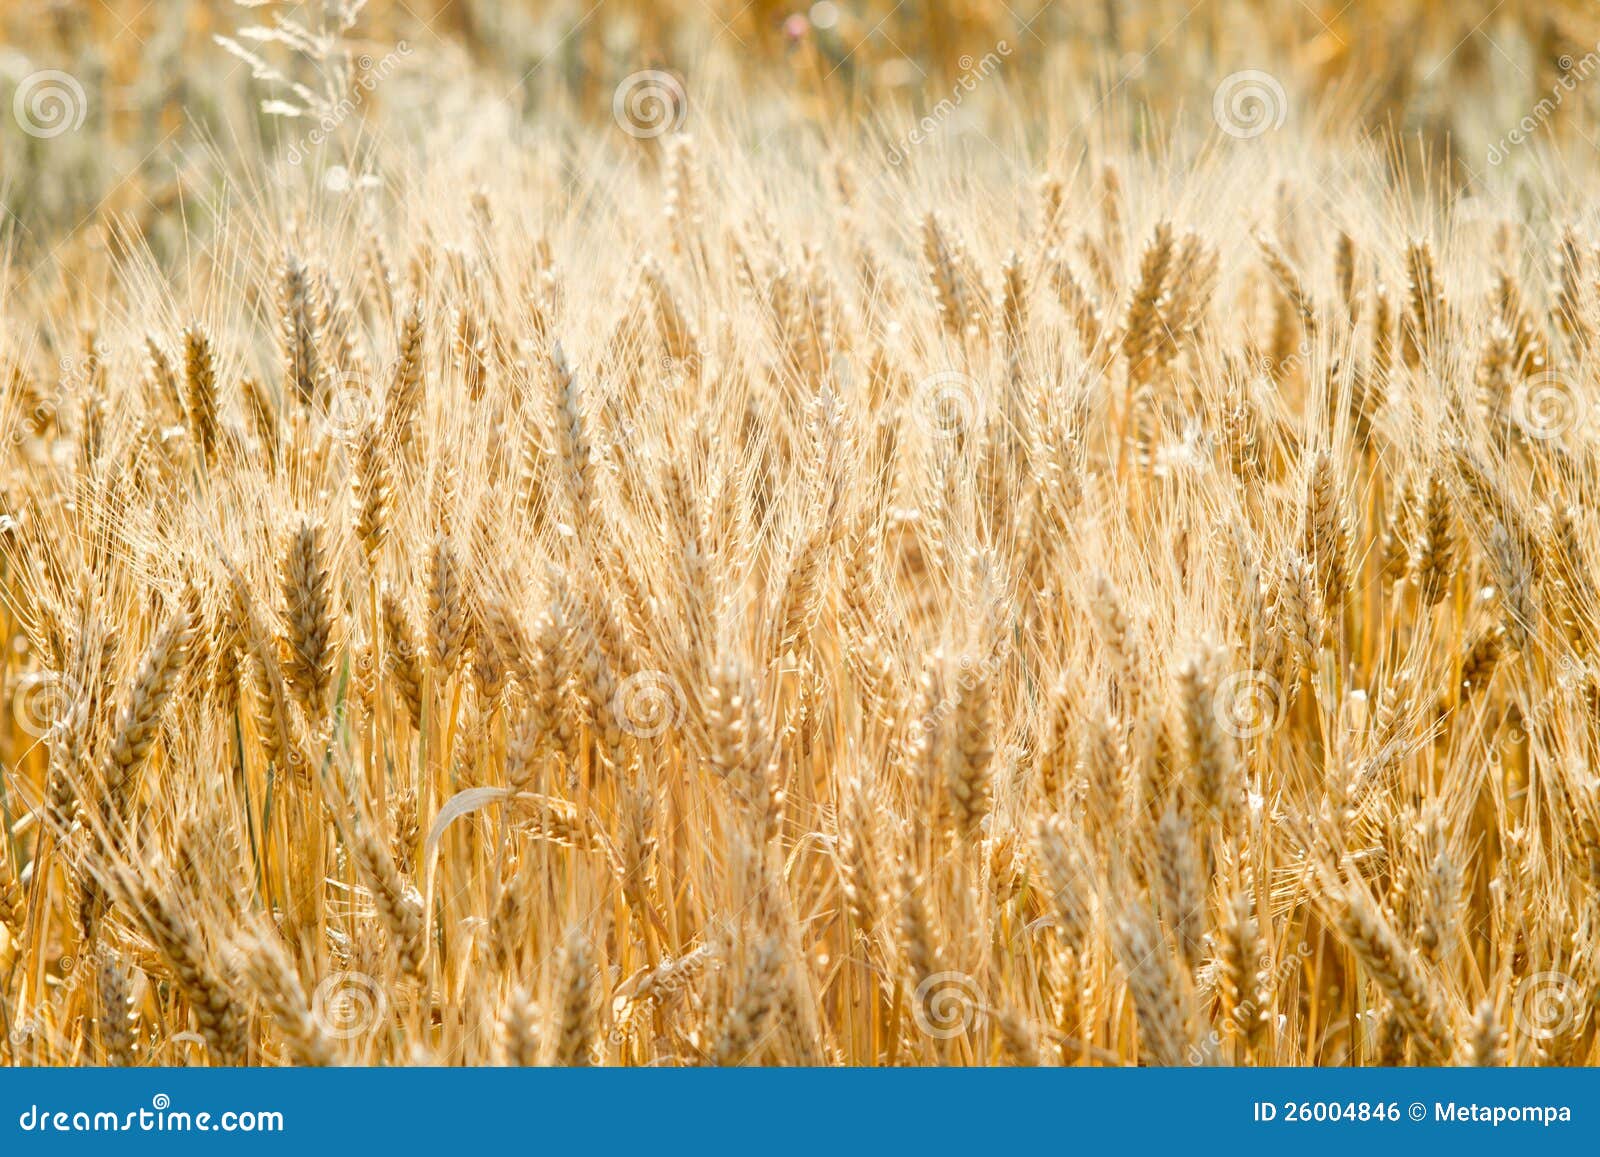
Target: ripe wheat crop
620,591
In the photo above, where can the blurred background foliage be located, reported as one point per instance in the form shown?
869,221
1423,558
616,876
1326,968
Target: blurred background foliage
1451,78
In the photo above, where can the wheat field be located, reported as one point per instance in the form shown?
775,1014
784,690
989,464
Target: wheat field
761,554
